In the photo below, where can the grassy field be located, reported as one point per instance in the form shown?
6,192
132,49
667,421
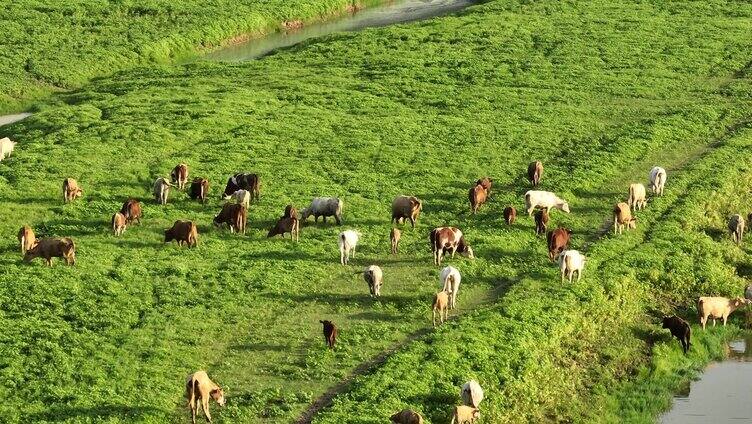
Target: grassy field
599,92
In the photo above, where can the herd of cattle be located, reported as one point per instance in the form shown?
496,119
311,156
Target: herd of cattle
241,189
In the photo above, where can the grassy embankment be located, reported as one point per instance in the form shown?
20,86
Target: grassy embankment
421,109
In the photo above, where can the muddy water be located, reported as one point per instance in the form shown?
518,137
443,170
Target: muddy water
723,394
9,119
395,12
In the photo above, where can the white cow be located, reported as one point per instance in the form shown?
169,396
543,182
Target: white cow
657,180
637,196
161,190
348,239
6,148
374,277
471,393
569,262
241,197
450,280
544,199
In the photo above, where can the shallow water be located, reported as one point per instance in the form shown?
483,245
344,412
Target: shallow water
387,14
723,394
9,119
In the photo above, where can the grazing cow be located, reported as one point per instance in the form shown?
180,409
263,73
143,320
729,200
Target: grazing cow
544,199
558,240
6,148
449,239
541,221
637,196
131,210
374,278
471,393
234,216
510,214
406,416
199,189
330,333
450,281
71,190
465,414
26,239
161,190
535,172
736,228
284,225
290,212
49,248
478,196
569,262
198,386
748,292
679,329
348,239
394,238
183,232
241,197
118,223
440,305
250,182
485,182
657,180
406,207
623,218
718,307
323,206
179,175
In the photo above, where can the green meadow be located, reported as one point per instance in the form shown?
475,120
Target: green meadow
599,92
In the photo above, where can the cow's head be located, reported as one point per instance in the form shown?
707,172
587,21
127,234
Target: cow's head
565,207
218,395
69,252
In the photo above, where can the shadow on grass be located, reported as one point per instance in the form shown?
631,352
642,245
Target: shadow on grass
100,412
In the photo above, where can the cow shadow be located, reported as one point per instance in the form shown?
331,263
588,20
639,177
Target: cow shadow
375,316
260,347
400,301
715,233
120,412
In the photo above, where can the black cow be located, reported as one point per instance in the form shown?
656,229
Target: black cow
248,182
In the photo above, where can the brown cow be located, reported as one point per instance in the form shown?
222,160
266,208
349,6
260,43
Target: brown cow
118,223
406,207
441,306
234,215
394,238
290,212
199,189
26,239
541,221
49,248
623,217
183,232
449,239
406,416
558,240
71,190
485,182
179,175
478,196
198,386
510,215
679,329
330,333
286,225
131,210
535,172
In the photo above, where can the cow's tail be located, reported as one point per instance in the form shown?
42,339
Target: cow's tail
342,240
527,203
23,244
192,387
689,336
113,222
433,238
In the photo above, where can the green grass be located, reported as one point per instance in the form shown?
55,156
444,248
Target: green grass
599,92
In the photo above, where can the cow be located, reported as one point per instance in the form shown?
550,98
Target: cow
132,211
449,239
718,307
250,182
535,172
485,182
330,333
478,196
286,224
394,238
558,240
161,190
241,197
118,223
234,216
544,199
637,196
290,212
465,414
569,262
199,189
510,214
450,282
406,208
26,239
71,190
657,180
623,218
441,306
471,393
541,221
679,329
348,239
6,148
406,416
748,292
324,207
374,278
179,175
198,386
183,232
736,228
49,248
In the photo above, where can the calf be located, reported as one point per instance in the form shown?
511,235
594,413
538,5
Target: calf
249,182
198,386
118,223
718,307
6,148
286,225
394,238
679,329
535,172
290,212
623,218
450,281
465,415
131,210
49,248
324,207
374,278
544,199
558,240
183,232
179,175
440,305
736,228
657,180
478,196
406,416
234,216
471,393
637,196
241,197
348,239
199,189
406,208
541,221
510,214
26,239
569,262
161,190
330,333
71,190
449,239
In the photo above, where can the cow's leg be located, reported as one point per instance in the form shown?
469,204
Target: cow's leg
703,320
454,250
205,403
412,222
342,256
713,321
725,317
433,316
579,275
